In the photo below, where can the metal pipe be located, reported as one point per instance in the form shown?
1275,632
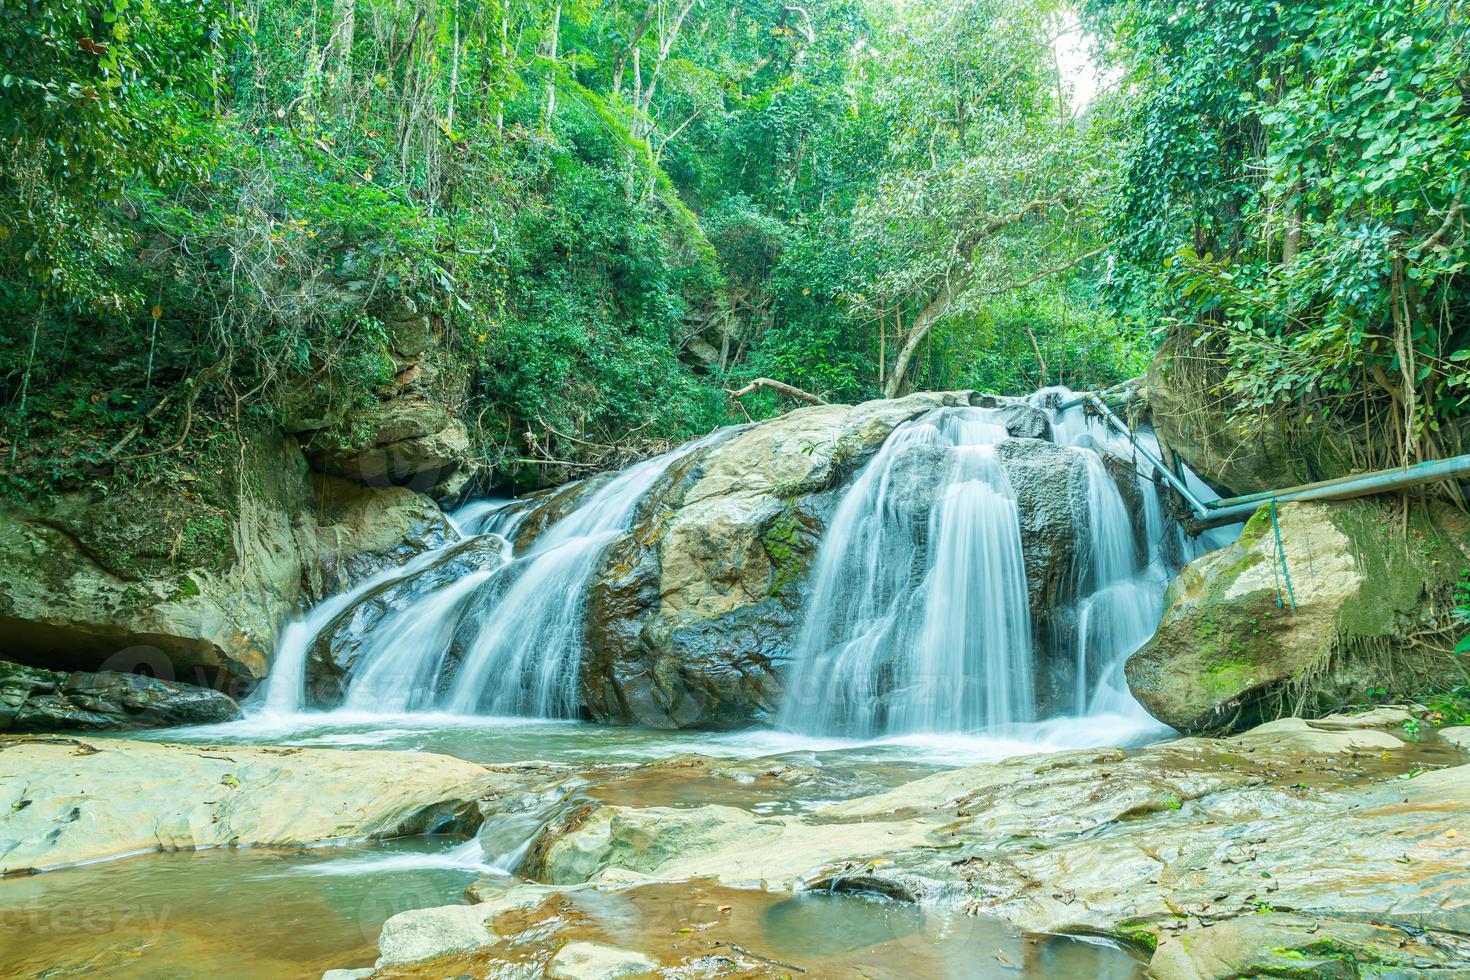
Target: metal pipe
1261,496
1195,504
1345,488
1127,395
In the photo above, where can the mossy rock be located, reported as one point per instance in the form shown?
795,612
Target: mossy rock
1362,600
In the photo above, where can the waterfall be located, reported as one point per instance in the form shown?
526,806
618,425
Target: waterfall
918,616
900,636
523,657
504,640
917,619
283,693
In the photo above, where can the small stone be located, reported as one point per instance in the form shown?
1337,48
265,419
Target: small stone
596,961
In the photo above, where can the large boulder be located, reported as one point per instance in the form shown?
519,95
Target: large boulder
690,622
1050,483
618,846
190,579
35,700
70,800
1355,600
1193,415
692,618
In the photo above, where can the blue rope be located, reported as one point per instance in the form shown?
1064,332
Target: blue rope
1281,557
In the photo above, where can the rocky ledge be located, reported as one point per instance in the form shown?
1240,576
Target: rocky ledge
65,801
34,700
1326,848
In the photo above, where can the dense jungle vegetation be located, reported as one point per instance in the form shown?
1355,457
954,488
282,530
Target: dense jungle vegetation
621,211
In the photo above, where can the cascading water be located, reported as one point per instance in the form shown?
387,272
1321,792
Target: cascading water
1121,605
901,636
507,638
523,657
917,619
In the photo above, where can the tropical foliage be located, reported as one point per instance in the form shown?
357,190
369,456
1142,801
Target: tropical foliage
619,212
1295,201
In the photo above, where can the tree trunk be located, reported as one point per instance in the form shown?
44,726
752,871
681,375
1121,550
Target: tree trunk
622,60
790,391
954,285
551,53
338,58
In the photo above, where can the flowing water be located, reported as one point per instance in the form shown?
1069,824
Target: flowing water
918,618
510,636
915,653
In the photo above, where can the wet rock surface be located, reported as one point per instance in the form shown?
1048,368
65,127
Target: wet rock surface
1050,483
69,800
34,700
336,649
692,620
1333,847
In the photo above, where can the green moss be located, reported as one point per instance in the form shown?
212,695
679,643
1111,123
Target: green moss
1138,934
1406,572
782,543
1255,529
188,589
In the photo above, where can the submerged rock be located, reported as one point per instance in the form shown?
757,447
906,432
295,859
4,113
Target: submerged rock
69,800
598,961
35,700
1365,604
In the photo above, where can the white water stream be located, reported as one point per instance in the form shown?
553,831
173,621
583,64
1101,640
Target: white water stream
917,622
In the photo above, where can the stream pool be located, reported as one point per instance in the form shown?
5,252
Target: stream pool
270,913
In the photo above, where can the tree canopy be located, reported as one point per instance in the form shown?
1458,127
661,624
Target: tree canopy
619,212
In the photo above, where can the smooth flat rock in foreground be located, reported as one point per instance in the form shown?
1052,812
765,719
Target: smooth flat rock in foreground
68,800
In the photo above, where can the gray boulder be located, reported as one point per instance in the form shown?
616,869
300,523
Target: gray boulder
1364,610
35,700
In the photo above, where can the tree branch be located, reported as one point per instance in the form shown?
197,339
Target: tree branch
778,386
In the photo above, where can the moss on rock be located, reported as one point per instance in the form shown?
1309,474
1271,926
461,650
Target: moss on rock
1356,598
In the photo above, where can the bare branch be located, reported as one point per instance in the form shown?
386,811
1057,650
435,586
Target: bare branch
789,391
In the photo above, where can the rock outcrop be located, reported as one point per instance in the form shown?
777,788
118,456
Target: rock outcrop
35,700
412,436
692,620
190,580
1302,848
69,800
1191,415
1353,602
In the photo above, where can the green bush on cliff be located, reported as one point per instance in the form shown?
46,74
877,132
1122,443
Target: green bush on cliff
1295,203
206,208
